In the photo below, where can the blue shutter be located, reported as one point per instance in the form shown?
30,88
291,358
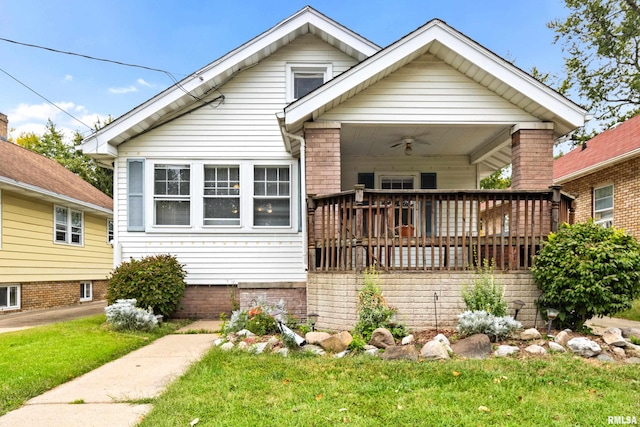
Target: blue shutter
135,195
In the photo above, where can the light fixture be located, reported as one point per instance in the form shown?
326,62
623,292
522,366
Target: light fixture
517,306
552,313
407,149
313,318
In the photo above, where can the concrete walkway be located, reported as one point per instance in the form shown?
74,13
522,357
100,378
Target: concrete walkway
600,324
106,396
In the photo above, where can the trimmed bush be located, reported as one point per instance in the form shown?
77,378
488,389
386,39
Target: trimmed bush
585,270
155,282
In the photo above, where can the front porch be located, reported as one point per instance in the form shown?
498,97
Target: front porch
431,230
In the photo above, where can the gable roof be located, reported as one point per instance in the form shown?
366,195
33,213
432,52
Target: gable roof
458,51
604,150
28,172
161,108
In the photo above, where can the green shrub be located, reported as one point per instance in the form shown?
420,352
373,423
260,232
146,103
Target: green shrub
485,294
357,343
373,310
154,281
585,270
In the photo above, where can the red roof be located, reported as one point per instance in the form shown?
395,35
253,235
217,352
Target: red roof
619,142
21,166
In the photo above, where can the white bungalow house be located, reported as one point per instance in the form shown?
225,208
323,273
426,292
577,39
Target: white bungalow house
285,167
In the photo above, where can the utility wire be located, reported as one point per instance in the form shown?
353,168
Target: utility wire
41,96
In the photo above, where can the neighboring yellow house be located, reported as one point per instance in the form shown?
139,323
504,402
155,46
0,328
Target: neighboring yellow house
55,233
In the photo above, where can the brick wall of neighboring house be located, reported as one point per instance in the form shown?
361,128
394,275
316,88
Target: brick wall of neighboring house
532,159
4,127
626,194
334,297
39,295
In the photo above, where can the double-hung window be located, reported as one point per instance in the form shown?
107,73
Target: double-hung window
172,194
603,205
221,195
271,196
9,297
69,226
303,78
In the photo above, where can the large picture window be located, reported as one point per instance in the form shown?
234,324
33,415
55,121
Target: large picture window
68,225
9,297
271,196
221,195
171,194
603,206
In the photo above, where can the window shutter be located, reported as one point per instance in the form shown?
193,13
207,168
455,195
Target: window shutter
428,181
366,178
135,195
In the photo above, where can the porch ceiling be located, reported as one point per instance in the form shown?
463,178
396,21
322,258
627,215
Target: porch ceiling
489,145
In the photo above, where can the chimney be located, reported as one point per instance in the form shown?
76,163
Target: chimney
4,127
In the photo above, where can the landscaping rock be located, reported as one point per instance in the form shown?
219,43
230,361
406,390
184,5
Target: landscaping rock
218,342
434,350
368,347
530,334
400,352
619,352
243,345
382,338
476,346
259,347
633,360
409,339
535,349
444,340
584,347
245,333
314,349
562,338
375,351
316,337
630,332
632,350
613,336
227,346
506,350
604,357
337,343
341,354
554,346
284,352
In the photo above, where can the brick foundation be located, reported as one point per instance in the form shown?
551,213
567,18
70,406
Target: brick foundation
334,297
294,296
206,302
40,295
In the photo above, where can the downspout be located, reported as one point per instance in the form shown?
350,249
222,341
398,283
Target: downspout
303,193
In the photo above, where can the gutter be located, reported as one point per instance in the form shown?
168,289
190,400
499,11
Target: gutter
303,185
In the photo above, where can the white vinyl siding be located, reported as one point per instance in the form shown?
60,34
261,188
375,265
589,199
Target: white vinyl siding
603,205
427,90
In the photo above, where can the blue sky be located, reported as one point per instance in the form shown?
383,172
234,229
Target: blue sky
183,36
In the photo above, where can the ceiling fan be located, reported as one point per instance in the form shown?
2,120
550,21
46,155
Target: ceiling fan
408,142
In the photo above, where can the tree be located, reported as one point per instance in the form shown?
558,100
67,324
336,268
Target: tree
602,39
52,145
586,270
497,180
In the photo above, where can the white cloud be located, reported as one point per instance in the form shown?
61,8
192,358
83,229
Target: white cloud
143,82
68,78
38,112
121,90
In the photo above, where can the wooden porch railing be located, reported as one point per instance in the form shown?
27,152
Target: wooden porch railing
431,229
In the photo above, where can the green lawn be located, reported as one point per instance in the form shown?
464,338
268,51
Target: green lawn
632,314
240,389
38,359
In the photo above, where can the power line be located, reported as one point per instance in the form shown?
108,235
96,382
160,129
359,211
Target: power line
50,102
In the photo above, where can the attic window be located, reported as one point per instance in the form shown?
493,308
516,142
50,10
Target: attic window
304,78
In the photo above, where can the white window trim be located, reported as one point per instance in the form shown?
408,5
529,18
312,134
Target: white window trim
294,67
382,175
90,297
17,307
70,214
602,222
246,197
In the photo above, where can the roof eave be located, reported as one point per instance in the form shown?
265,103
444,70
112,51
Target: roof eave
599,166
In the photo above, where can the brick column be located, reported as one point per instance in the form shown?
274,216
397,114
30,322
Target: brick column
532,156
323,171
